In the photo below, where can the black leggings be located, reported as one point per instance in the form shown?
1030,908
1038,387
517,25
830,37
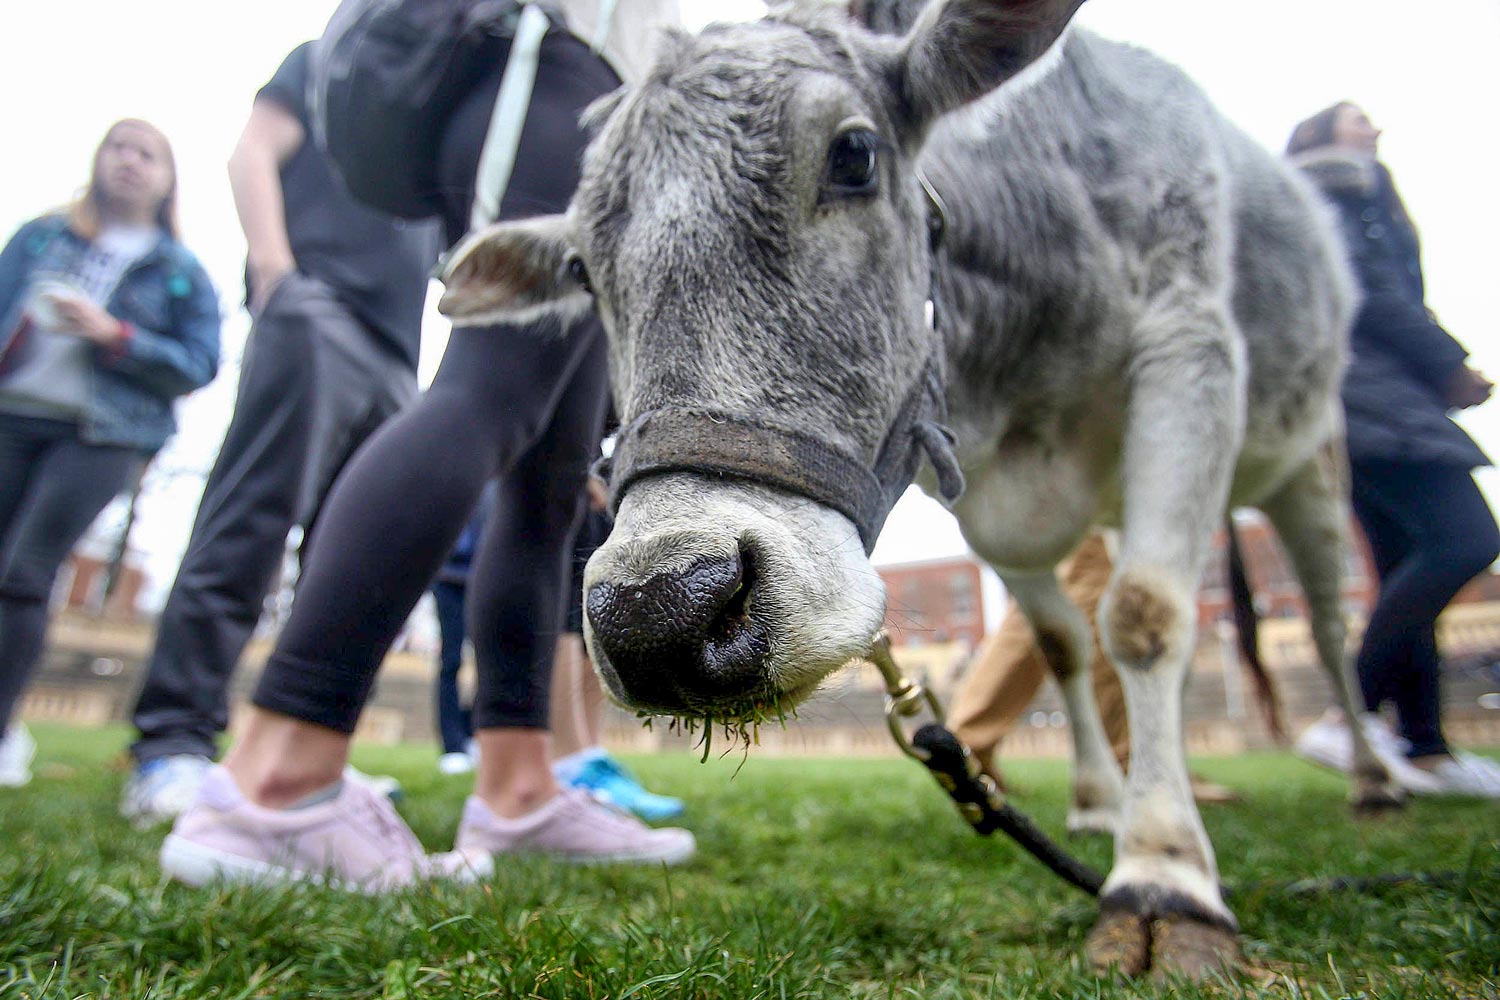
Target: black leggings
525,405
1430,531
52,486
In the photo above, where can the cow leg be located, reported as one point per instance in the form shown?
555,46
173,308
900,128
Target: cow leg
1309,513
1066,642
1161,902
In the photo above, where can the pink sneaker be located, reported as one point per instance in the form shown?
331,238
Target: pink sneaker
355,840
575,827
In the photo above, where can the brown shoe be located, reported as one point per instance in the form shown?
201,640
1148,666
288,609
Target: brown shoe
1206,792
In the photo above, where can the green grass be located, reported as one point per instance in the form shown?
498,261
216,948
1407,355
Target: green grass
816,878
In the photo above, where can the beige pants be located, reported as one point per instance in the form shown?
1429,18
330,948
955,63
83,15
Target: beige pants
1008,670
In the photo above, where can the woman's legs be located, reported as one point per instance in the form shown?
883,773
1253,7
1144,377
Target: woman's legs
577,695
1390,544
388,524
52,486
577,715
1431,531
518,594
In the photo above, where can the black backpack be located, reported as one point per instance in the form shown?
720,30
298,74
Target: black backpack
384,78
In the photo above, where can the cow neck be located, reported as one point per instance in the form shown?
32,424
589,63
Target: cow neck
736,446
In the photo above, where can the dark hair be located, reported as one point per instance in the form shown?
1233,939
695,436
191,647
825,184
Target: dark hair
85,213
1316,131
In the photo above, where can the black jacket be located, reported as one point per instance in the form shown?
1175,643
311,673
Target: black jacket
1401,360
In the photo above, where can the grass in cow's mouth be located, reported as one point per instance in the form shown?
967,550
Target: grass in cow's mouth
742,731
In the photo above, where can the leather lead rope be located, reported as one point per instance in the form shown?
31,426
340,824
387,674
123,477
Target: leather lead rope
953,767
984,807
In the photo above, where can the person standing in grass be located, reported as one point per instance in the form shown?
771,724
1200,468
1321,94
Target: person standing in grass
337,291
105,319
1430,529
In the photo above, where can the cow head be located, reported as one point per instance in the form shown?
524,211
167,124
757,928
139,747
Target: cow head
753,233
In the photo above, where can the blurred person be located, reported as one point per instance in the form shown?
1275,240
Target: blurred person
524,403
580,758
454,720
336,291
1429,528
1008,669
105,319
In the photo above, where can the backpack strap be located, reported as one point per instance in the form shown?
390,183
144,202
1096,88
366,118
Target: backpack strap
502,138
602,25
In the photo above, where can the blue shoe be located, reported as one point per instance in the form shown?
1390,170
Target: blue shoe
601,775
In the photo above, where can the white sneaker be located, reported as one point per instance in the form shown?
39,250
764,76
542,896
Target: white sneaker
17,750
456,762
1484,765
1465,774
1329,742
162,789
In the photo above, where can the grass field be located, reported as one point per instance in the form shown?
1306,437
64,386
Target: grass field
816,878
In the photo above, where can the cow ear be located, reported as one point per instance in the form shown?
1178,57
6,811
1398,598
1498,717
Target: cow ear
513,272
960,50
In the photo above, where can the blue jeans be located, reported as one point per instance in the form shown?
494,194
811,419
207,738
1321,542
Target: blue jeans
1430,532
454,724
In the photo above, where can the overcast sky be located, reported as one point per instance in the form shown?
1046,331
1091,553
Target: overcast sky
1426,73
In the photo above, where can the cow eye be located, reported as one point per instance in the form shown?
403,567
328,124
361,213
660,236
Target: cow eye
578,272
852,161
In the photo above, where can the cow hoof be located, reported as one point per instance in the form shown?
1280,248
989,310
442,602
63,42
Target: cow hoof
1093,820
1377,800
1120,941
1174,946
1188,948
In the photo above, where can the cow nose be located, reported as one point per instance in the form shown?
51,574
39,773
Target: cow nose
682,638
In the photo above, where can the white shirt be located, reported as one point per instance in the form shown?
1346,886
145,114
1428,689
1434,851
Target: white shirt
53,376
106,261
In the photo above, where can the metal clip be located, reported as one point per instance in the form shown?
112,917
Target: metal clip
904,697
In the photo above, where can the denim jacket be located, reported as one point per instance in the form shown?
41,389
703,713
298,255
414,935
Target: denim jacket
173,348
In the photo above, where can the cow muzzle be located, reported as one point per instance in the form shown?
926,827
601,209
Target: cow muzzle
720,599
681,638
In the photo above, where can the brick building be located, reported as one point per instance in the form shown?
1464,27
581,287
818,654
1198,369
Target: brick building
935,601
936,616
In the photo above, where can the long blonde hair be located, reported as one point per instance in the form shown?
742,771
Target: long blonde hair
85,215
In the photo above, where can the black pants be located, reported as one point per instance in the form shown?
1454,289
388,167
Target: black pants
314,384
524,404
1430,532
52,486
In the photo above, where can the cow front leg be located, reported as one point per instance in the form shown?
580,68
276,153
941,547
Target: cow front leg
1161,906
1063,637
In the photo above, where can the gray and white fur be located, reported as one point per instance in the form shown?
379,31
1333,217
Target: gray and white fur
1143,322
